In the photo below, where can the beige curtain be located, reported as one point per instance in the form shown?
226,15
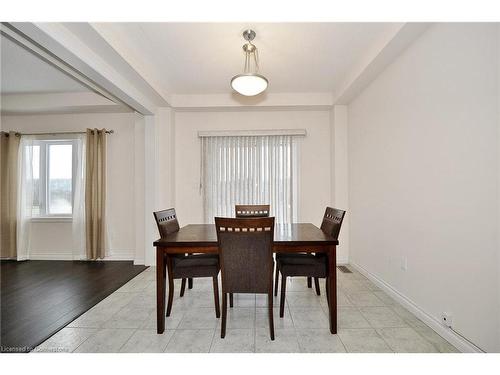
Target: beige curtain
95,193
9,149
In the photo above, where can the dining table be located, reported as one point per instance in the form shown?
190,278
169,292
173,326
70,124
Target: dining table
288,238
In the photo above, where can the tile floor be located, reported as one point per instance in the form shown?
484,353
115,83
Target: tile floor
369,321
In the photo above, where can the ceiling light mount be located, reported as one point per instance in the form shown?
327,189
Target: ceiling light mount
249,35
250,83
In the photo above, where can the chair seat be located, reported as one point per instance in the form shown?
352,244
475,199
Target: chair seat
195,265
280,256
203,256
176,257
307,265
297,255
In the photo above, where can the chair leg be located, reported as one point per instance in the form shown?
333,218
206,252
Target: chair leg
183,287
190,283
316,285
170,293
270,309
309,282
282,299
216,296
230,299
224,315
276,281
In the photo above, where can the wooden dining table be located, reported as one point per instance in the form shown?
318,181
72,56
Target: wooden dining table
288,238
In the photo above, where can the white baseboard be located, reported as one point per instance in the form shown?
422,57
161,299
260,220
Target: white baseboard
68,255
51,256
122,255
139,262
456,340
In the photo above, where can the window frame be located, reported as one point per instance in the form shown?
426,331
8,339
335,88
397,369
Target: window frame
44,181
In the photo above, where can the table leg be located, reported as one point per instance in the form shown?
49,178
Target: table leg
160,290
332,288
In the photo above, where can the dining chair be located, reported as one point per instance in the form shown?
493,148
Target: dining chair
249,210
309,265
186,266
246,259
298,255
252,210
167,223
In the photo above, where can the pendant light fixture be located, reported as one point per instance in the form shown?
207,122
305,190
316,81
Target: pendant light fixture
250,83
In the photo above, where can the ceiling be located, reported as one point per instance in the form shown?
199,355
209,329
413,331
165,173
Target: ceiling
201,58
22,72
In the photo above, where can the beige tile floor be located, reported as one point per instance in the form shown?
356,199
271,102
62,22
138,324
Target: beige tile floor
369,321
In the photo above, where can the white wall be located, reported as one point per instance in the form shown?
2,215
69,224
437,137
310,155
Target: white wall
315,158
166,157
498,161
53,240
339,180
140,189
423,177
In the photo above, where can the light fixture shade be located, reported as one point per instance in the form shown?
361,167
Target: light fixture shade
249,84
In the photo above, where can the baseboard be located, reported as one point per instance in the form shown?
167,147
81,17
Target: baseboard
113,256
51,256
456,340
125,255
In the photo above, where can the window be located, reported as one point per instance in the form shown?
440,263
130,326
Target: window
249,170
53,175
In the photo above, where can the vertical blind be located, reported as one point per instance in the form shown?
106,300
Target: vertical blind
249,170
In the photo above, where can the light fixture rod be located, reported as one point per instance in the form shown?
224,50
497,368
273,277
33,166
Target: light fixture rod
256,58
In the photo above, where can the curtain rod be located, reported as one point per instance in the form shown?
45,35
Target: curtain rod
54,133
251,133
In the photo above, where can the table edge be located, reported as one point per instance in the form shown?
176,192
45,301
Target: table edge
165,243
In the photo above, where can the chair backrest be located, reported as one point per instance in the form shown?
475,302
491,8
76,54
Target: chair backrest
332,221
166,221
246,254
252,210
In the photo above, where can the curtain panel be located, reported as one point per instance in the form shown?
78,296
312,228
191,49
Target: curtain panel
26,189
249,170
78,225
9,169
95,193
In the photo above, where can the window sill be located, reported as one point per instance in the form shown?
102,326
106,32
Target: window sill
52,219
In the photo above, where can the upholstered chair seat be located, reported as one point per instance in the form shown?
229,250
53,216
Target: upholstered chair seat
304,265
192,266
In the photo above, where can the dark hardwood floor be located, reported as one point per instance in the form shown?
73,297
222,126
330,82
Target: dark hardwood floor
38,298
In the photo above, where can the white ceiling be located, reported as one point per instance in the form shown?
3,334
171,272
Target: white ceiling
22,72
201,58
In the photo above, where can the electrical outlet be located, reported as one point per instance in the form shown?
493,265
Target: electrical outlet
404,263
447,319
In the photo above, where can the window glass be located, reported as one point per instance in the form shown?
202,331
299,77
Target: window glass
37,201
60,179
